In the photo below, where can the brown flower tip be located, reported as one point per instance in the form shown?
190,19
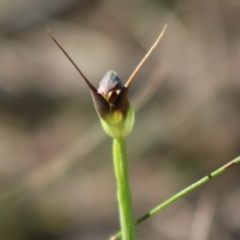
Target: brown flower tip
110,86
114,92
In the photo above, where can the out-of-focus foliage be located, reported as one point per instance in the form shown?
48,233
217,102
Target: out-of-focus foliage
56,176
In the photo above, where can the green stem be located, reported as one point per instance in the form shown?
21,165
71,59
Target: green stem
124,195
183,192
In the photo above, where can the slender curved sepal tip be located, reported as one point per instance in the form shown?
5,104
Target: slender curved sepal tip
133,75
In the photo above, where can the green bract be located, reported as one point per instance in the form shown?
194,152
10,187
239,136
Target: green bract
116,125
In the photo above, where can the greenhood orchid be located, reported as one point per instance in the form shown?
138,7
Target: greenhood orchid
111,98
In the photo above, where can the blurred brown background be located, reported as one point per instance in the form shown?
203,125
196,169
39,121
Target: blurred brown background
56,175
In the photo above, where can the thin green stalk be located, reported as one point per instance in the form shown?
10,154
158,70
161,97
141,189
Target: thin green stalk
183,192
124,195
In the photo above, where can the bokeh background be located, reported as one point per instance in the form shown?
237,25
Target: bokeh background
56,174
